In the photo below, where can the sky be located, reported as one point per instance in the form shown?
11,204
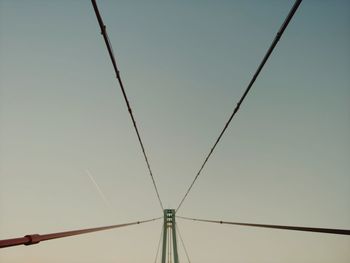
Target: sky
70,159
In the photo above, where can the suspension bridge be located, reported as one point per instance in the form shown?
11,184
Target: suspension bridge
170,238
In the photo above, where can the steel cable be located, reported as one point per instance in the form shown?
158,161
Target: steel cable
158,247
183,243
295,228
36,238
113,60
267,55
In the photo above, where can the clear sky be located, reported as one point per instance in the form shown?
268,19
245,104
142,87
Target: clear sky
285,159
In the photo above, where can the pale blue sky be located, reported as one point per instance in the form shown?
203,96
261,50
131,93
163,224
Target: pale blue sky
285,159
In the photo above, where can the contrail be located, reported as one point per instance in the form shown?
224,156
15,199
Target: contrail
98,188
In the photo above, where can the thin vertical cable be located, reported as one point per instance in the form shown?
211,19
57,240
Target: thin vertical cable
183,243
158,247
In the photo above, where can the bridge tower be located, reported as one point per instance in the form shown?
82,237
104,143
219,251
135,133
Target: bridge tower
169,250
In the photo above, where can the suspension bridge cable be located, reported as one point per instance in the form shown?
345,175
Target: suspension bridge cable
113,60
36,238
183,243
158,247
264,60
295,228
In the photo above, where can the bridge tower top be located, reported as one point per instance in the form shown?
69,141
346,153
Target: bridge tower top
169,250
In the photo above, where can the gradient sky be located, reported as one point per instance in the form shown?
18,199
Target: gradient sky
285,158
